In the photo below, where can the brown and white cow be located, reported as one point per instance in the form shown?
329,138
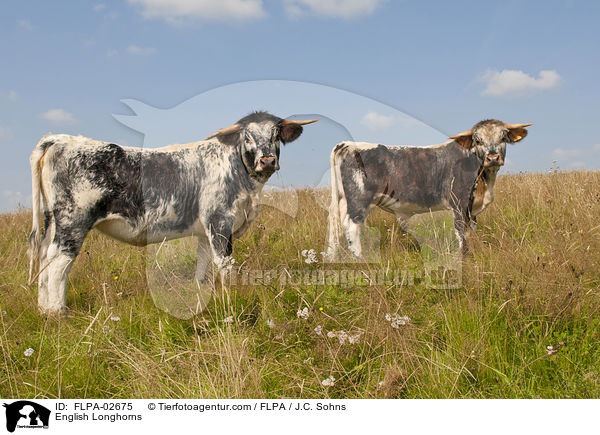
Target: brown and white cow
208,189
406,180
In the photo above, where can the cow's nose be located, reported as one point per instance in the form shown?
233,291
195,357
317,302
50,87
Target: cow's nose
493,159
268,163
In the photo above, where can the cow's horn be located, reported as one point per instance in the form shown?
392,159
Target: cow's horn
299,122
517,125
227,130
463,134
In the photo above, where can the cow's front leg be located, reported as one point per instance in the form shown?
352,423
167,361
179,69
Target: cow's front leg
203,283
220,237
460,219
203,257
473,224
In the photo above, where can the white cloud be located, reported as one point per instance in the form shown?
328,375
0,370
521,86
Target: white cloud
58,116
560,153
13,200
176,11
576,158
376,121
12,95
140,51
25,24
516,83
6,134
333,8
111,53
98,7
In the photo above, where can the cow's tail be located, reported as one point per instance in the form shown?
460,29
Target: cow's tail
37,228
337,194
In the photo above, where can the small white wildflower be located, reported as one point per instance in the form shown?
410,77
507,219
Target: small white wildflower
342,336
302,314
403,320
228,263
354,339
28,352
228,319
380,384
115,318
329,382
396,320
550,347
270,323
311,256
318,330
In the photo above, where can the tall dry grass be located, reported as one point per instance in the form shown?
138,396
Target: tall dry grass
524,322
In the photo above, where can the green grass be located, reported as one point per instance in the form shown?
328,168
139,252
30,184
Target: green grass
531,280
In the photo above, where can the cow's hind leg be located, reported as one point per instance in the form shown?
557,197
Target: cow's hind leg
402,220
356,211
58,267
62,251
352,230
43,271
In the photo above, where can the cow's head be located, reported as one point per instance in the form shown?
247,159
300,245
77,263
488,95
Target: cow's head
487,139
258,137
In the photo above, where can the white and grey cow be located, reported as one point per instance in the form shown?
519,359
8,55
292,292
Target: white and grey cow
208,189
405,180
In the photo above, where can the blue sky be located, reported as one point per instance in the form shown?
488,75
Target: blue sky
68,65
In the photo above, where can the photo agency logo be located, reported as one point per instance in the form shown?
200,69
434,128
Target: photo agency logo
180,273
25,414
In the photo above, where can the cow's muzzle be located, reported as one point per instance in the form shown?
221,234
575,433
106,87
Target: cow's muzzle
493,160
267,165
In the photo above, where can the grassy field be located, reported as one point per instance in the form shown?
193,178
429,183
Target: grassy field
525,322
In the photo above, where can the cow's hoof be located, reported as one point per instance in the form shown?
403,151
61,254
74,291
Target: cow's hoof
330,257
53,312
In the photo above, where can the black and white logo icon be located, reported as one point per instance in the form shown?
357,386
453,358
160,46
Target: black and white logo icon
26,414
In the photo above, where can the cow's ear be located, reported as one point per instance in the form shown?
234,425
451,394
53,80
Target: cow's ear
464,139
516,132
290,130
289,133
